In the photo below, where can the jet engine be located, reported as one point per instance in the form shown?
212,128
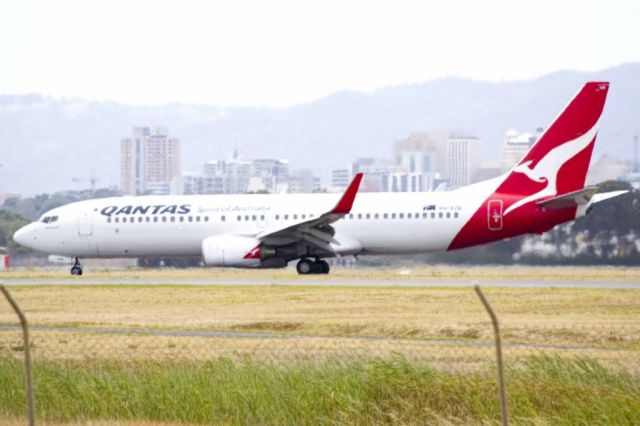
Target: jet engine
231,250
245,252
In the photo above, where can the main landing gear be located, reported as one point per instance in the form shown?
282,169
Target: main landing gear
76,269
308,266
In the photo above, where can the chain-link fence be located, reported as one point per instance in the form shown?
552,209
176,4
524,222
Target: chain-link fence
613,345
459,346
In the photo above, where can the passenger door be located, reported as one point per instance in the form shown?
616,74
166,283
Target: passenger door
85,223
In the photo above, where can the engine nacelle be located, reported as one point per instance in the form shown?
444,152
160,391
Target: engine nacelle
232,250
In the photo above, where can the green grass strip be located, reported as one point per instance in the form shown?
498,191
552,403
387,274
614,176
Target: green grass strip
541,390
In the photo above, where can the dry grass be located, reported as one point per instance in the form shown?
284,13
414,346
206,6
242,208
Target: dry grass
437,272
66,346
577,316
22,422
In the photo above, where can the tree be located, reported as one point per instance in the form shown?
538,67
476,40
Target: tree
9,224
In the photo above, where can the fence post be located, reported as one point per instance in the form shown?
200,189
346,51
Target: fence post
502,393
31,405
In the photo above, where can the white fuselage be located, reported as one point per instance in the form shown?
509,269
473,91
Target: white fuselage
379,223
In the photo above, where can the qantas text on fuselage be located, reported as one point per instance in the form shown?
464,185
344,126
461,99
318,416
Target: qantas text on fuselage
545,188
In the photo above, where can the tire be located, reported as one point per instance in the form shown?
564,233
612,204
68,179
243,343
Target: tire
304,267
76,270
324,267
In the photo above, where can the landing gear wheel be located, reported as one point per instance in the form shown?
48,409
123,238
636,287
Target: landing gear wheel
323,267
304,267
76,269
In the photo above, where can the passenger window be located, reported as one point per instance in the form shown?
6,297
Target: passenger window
223,218
455,215
239,218
108,220
261,217
172,219
303,216
393,215
350,215
148,219
448,215
295,217
277,217
164,218
401,216
197,218
140,219
359,215
385,216
155,219
408,215
286,217
181,219
376,216
433,215
368,216
440,215
246,217
206,218
254,217
117,219
424,215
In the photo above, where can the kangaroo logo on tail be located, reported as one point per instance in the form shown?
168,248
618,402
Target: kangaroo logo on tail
546,170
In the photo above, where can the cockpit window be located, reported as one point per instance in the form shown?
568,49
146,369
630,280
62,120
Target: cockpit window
50,219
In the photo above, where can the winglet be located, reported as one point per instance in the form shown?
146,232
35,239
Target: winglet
346,202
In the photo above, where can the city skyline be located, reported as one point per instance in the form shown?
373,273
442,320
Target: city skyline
75,140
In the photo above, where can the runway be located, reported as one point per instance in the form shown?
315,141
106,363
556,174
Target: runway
326,282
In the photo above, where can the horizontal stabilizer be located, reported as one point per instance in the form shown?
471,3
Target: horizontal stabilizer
572,199
606,195
578,198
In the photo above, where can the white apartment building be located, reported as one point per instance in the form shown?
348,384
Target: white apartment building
150,162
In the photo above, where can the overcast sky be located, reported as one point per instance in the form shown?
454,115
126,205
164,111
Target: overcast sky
280,53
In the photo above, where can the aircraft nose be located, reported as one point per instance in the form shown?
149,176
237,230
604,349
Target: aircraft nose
25,236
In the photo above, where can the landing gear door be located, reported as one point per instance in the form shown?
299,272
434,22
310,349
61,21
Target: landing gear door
85,223
494,215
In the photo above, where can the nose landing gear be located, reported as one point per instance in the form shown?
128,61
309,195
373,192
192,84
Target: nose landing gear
307,266
76,269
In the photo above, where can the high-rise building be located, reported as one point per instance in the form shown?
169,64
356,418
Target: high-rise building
515,146
422,156
463,155
150,162
340,178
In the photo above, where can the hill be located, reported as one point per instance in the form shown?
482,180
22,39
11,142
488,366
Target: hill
46,142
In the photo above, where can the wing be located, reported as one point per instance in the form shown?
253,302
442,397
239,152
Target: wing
317,231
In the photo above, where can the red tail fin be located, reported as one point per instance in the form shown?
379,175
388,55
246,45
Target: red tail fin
557,163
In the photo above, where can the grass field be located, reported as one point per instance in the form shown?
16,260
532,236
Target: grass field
532,315
436,272
545,390
336,355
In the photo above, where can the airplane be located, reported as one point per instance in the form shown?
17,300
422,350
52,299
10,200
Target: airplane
544,189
